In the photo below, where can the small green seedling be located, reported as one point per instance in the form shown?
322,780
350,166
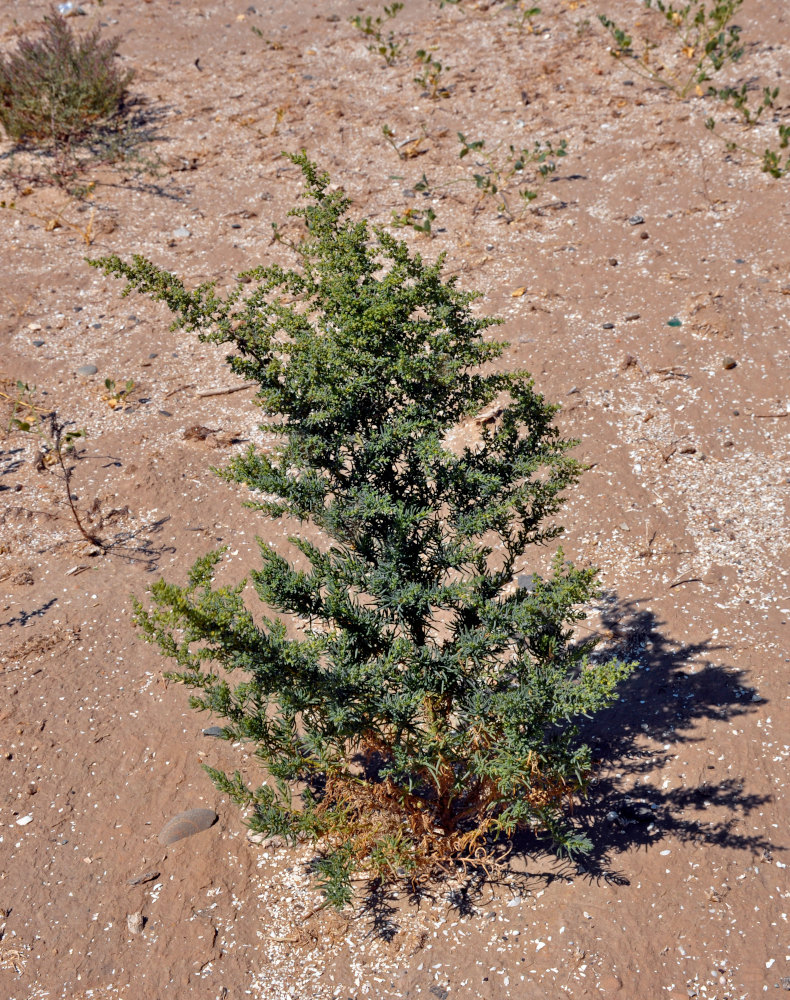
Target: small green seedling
415,218
524,18
773,162
406,148
115,397
504,165
387,47
430,76
772,158
23,401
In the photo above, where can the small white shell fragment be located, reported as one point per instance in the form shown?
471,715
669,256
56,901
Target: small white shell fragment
24,820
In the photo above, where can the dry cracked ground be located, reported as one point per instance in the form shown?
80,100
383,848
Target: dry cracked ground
645,288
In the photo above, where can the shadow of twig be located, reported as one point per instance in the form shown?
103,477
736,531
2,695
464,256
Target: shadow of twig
144,551
25,617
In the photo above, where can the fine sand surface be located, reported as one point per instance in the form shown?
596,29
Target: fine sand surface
684,508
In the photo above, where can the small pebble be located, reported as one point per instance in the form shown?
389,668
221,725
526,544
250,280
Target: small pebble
674,322
644,236
636,220
38,343
135,922
24,820
614,261
607,326
87,370
142,879
181,233
728,363
213,731
631,316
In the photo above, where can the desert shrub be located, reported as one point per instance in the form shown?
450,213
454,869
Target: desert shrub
409,703
60,87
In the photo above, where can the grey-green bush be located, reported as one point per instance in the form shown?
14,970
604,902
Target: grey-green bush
427,705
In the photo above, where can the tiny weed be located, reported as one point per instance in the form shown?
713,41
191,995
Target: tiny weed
774,161
706,40
738,98
267,41
386,46
525,16
504,165
430,76
55,445
405,148
22,402
115,397
418,219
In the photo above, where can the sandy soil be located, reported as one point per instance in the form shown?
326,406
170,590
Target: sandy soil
684,507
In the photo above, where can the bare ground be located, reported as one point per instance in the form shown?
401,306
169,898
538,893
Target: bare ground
684,507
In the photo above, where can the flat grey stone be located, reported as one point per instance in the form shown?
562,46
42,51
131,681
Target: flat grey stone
186,824
181,233
87,370
214,731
